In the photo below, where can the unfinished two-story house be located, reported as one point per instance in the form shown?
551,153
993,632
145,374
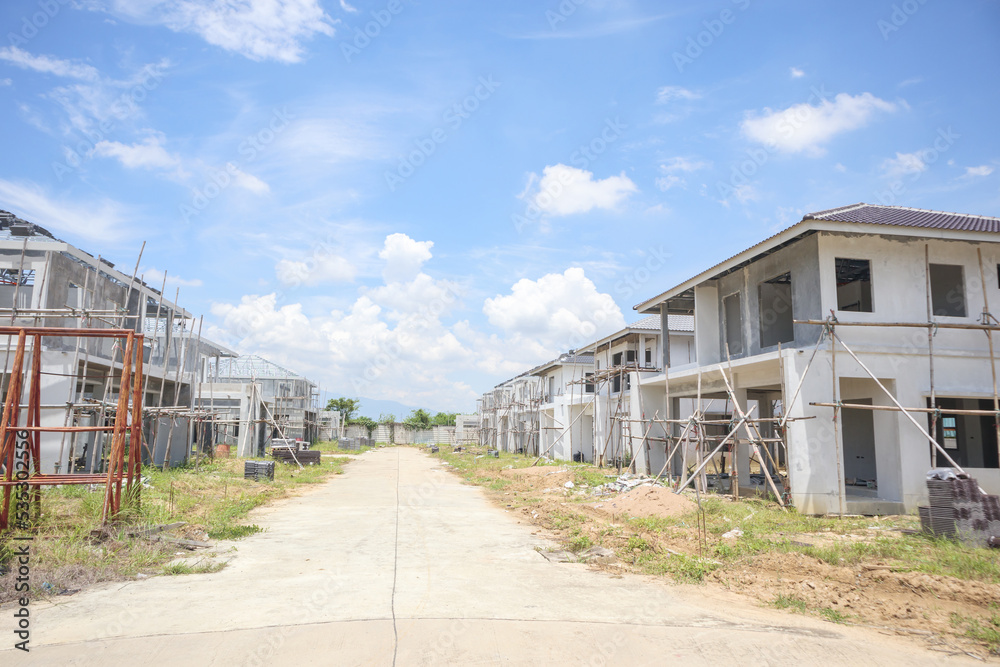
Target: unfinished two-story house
566,416
623,405
904,291
46,282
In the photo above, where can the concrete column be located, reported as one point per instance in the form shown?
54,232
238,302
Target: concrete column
743,451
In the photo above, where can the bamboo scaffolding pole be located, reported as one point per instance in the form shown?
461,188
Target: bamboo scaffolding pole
838,448
912,325
930,337
989,338
752,443
892,398
718,448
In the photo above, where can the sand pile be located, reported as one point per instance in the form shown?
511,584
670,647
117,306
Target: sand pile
647,501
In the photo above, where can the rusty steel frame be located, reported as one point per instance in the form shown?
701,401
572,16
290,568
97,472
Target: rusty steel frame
126,431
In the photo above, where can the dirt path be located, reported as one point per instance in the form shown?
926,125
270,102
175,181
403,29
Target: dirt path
397,562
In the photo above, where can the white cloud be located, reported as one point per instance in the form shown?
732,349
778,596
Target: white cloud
98,220
983,170
5,82
404,298
48,64
805,128
904,164
669,181
559,310
668,94
258,29
154,278
398,340
796,73
321,268
241,179
564,190
148,154
742,193
684,164
348,8
670,168
403,257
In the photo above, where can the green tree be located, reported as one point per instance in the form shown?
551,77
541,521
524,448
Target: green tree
346,406
444,419
419,418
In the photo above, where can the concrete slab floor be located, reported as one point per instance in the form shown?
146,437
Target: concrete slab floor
398,562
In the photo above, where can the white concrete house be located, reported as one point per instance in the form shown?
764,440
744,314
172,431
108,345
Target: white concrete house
621,360
566,411
509,416
863,263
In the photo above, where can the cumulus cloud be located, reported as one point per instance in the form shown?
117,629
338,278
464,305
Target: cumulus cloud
806,128
257,29
559,309
403,257
400,340
796,73
48,64
904,164
564,190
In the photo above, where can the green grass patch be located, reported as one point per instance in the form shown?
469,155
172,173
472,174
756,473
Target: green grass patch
175,569
790,602
579,543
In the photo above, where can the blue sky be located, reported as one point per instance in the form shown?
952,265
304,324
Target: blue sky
415,201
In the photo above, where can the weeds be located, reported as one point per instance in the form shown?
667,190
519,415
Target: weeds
174,569
790,602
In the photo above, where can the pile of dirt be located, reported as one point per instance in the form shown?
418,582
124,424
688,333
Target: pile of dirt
538,478
647,501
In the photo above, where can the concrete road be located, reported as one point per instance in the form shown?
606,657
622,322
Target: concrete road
398,563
